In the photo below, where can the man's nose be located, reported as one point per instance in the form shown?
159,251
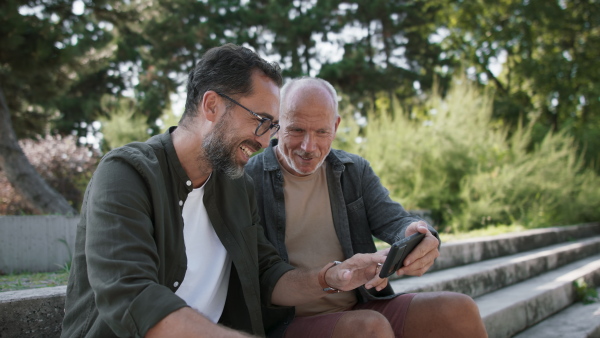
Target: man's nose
264,139
308,143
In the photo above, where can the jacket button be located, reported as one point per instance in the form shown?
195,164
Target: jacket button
180,203
176,284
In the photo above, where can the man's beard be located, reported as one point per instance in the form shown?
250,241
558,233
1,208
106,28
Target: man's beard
220,152
296,168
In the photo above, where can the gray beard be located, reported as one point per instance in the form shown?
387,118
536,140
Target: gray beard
292,164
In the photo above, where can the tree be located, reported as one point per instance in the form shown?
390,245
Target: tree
394,57
54,62
546,49
53,69
290,31
21,173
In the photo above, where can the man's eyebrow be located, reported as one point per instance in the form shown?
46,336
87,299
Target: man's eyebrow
269,116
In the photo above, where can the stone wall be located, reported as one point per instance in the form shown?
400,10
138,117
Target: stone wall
36,243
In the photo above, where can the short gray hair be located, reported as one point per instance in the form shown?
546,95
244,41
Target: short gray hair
308,80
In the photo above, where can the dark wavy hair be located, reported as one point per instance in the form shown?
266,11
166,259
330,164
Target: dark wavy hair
226,69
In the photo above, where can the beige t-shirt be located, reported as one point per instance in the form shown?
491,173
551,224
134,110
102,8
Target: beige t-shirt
310,236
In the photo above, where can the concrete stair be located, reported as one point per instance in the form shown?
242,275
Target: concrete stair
577,321
523,282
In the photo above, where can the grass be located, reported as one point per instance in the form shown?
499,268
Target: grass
22,281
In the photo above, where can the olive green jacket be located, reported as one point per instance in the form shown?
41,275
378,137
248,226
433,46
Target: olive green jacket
130,254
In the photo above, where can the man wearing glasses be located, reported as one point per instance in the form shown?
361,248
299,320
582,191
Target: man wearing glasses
319,205
169,242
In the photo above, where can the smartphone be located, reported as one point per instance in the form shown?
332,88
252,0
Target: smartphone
398,253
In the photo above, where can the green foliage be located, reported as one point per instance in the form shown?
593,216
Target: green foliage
168,119
122,126
54,63
549,70
540,188
392,52
453,159
390,55
585,293
57,66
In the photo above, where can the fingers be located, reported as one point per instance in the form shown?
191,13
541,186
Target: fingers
356,271
424,254
365,261
415,227
428,245
377,282
421,259
384,252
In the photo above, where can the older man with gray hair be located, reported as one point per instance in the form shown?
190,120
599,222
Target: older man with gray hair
320,205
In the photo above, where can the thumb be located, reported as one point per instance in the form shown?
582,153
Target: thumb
346,275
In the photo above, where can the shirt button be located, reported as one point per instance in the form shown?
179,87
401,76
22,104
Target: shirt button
180,203
176,284
188,183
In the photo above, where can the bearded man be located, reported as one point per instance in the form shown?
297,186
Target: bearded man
169,242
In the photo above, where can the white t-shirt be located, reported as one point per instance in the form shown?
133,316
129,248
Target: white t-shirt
206,280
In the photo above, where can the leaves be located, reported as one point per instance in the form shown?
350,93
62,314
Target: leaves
585,293
549,72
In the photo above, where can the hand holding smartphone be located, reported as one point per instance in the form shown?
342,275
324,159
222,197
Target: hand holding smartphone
398,253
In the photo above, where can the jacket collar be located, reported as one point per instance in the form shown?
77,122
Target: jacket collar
167,142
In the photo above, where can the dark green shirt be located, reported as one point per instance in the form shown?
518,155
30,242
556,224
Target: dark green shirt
130,254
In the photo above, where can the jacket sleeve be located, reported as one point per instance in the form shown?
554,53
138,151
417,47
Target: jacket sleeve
121,251
271,265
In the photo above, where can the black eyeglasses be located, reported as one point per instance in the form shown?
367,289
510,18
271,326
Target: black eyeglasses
264,125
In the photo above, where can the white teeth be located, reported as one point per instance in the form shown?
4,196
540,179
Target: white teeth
246,150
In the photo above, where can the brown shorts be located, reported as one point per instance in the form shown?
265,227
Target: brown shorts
394,310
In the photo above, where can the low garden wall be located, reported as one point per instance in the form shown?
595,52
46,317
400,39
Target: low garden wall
36,243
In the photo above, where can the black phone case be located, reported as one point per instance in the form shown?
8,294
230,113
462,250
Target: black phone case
398,253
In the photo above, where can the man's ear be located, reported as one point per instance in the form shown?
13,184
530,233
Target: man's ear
210,101
338,119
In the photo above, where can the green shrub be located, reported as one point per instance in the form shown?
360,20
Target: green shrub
450,157
122,126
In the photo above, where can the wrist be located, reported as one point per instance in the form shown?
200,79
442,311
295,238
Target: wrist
321,277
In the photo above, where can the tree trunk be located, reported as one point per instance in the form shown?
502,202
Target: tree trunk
22,175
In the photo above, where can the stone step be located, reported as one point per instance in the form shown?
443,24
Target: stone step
478,267
577,321
517,307
32,313
483,277
473,250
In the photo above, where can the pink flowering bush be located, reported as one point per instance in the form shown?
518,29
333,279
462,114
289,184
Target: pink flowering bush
66,166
